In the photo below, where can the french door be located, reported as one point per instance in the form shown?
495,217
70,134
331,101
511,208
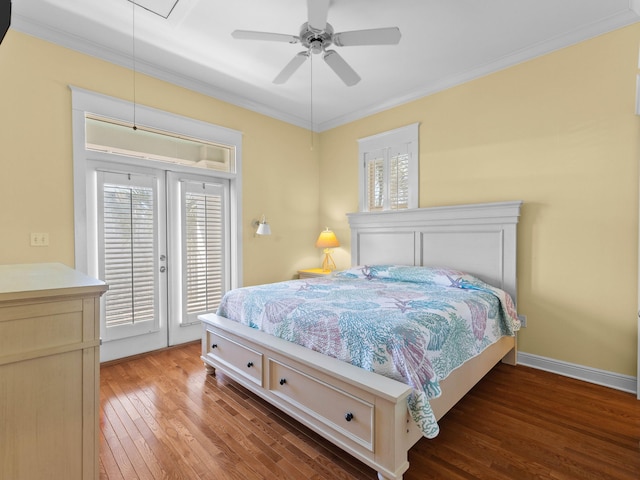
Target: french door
199,248
161,244
131,253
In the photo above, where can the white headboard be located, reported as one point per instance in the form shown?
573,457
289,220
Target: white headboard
479,239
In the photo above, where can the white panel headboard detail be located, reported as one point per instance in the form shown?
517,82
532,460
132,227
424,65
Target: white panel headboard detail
479,239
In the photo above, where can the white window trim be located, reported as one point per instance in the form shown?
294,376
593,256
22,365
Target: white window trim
407,135
85,101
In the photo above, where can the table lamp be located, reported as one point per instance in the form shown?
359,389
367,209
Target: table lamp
327,240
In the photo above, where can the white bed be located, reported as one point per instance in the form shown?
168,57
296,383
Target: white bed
479,239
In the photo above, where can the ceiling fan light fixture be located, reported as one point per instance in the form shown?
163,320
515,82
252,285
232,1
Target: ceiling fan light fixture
317,35
311,38
316,46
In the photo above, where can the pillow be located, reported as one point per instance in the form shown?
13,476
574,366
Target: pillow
442,276
432,275
366,271
408,273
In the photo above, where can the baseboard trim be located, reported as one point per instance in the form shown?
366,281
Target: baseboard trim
626,383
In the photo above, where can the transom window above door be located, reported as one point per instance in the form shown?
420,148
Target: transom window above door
113,136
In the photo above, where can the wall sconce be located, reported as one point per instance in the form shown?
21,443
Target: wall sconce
263,227
327,240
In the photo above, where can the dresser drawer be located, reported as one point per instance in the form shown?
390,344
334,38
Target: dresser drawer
40,326
239,358
341,411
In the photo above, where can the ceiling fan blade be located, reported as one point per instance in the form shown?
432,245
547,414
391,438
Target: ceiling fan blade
318,12
291,67
341,67
375,36
273,37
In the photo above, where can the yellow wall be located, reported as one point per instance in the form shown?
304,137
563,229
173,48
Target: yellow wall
560,133
36,181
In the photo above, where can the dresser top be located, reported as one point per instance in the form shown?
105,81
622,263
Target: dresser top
45,280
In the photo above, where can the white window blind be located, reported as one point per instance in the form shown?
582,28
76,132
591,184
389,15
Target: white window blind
389,170
375,182
127,237
388,182
399,181
204,263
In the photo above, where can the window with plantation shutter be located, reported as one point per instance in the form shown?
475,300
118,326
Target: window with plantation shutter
203,229
389,170
127,237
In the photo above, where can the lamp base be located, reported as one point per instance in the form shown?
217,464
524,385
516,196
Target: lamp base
328,264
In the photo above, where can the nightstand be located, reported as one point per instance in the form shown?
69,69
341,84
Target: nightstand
313,272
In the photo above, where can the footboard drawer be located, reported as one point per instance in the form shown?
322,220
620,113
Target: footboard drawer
240,358
339,410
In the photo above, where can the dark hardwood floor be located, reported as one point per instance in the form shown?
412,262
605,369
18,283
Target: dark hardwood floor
162,417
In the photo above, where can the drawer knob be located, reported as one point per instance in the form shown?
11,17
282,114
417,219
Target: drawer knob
249,364
283,381
348,417
215,345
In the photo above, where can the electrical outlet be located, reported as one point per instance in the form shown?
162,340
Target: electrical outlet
39,239
523,320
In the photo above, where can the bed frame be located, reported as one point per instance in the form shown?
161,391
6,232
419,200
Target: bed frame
363,413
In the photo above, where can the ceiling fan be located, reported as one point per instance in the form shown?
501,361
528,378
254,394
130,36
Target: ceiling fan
316,35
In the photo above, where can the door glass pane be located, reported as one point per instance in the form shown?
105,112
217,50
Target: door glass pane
128,253
204,252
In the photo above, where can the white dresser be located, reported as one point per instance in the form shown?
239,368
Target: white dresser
49,372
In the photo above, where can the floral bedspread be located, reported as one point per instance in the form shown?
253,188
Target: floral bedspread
412,324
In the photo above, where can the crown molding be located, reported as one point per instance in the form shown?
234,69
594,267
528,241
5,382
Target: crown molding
576,36
102,52
73,42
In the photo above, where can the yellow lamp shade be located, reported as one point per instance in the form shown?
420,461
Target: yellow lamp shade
327,239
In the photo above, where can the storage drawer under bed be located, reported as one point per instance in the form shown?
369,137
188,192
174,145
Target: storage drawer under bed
240,358
341,411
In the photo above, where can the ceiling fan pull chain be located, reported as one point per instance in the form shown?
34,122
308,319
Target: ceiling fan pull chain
311,98
133,54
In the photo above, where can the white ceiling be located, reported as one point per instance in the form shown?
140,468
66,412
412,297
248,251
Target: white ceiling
444,43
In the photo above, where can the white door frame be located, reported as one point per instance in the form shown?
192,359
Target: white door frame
86,102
